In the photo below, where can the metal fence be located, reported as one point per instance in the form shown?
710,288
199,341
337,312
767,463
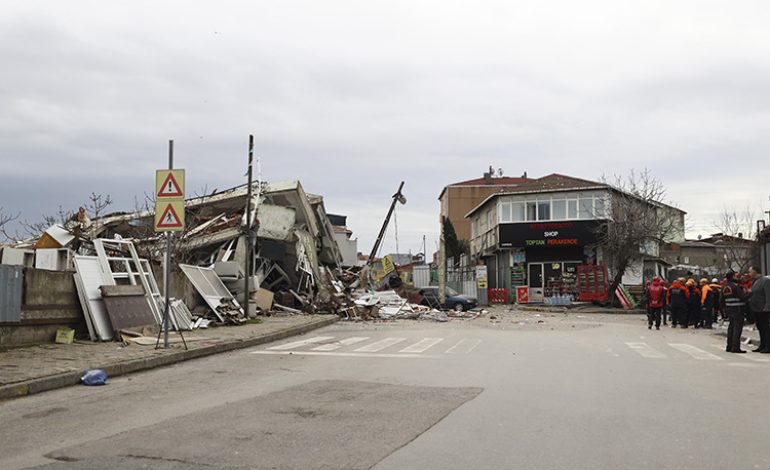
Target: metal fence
462,278
11,283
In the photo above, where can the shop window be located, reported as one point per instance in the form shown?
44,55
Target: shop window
559,210
519,214
572,209
544,210
586,208
531,211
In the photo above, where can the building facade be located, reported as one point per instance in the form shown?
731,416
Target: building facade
459,198
537,234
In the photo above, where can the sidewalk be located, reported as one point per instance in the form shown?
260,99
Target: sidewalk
749,336
35,369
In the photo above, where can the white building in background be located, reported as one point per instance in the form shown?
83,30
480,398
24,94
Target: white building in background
344,236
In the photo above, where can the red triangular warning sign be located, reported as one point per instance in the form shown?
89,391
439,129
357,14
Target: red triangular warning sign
170,219
170,188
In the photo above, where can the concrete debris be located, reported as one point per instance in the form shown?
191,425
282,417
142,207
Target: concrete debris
296,265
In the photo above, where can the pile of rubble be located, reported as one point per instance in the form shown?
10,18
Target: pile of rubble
295,265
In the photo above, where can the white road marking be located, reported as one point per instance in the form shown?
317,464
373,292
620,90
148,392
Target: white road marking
299,344
380,345
695,353
341,354
464,347
645,350
422,346
749,356
339,344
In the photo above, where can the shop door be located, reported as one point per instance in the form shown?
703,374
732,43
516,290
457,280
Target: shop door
536,292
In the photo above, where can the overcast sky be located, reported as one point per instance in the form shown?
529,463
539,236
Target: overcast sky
353,97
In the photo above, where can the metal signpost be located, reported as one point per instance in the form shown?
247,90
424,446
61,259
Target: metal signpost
169,218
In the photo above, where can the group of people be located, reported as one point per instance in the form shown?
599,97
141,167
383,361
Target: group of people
694,304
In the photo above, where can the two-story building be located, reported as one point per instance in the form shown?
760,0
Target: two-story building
538,233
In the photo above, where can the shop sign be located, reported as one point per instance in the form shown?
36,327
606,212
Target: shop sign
549,234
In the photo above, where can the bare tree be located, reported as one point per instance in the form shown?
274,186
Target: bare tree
638,222
737,245
5,220
97,203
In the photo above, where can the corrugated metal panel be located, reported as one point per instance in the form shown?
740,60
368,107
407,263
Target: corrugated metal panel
421,276
11,284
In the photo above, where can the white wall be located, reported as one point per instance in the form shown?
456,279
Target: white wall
348,249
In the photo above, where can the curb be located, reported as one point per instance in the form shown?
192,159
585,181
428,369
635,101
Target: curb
52,382
744,339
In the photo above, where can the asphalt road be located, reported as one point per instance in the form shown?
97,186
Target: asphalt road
530,391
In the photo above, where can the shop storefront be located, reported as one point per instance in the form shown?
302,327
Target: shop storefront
544,257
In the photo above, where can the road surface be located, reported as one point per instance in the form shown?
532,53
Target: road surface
522,390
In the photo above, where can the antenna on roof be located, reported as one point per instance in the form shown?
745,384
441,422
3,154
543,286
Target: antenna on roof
499,172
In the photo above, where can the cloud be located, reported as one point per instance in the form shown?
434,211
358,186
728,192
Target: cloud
354,97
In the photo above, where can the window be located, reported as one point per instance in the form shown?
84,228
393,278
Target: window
601,208
531,211
544,210
519,215
505,212
572,209
559,209
586,208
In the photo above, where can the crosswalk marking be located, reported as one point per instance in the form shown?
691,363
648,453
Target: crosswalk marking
695,353
464,346
343,354
338,344
299,344
380,345
422,346
645,350
750,357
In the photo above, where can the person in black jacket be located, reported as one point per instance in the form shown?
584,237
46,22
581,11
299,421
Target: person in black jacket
733,302
760,307
693,304
677,296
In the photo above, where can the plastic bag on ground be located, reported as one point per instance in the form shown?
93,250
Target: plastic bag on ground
94,377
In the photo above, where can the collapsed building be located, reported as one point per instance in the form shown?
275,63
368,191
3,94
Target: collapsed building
295,264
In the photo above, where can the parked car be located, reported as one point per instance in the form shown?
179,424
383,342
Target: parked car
454,300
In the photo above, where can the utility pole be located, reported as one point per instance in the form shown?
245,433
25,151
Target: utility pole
441,264
398,197
249,234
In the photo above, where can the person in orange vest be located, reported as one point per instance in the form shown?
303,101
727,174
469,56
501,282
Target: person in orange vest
656,300
707,304
693,304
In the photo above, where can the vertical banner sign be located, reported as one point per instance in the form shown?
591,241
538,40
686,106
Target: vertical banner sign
481,276
169,201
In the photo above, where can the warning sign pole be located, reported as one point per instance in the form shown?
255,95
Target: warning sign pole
167,264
